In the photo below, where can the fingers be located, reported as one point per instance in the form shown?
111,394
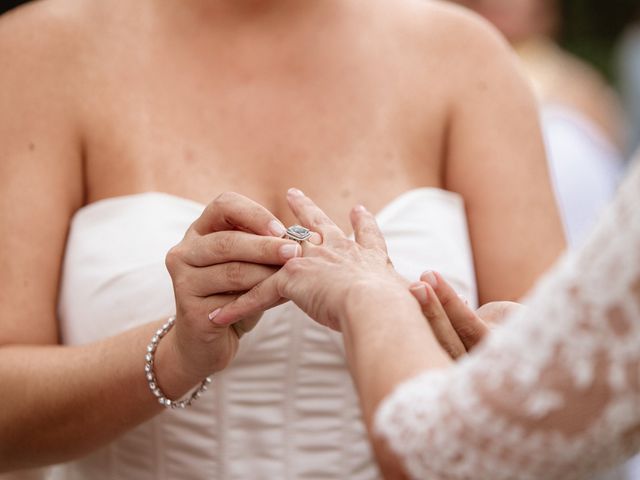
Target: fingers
228,246
230,211
469,327
310,215
260,298
438,320
226,278
366,230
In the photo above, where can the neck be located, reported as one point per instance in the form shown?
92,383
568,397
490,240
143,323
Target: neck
228,13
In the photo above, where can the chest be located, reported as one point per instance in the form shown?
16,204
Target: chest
339,127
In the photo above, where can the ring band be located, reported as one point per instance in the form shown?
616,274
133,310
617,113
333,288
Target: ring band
298,233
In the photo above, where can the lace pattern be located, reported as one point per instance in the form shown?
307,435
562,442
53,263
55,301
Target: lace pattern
555,392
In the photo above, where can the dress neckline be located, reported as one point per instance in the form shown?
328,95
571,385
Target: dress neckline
386,211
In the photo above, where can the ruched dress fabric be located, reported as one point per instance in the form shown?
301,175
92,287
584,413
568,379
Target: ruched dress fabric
286,407
554,393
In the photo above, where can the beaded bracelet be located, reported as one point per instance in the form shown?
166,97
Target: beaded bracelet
151,376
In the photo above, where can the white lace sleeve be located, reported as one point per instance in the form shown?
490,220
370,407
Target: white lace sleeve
552,394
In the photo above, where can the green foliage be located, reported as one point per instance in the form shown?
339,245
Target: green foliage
592,28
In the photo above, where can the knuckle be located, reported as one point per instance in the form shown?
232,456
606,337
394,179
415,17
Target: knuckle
234,275
295,265
468,332
224,244
368,228
433,314
267,248
173,258
225,198
446,299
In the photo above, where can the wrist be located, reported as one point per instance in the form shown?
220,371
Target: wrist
369,300
174,379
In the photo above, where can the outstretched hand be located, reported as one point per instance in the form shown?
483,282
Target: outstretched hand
321,280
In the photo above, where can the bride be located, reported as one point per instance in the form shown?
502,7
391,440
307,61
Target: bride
121,120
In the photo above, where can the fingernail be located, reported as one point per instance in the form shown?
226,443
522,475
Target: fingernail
430,278
214,314
420,292
295,192
276,228
359,209
290,251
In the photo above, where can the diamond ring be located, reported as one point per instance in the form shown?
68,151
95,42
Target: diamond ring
298,233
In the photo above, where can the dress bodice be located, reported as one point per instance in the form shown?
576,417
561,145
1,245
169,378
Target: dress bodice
286,407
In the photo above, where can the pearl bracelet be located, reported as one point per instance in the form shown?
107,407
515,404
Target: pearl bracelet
151,376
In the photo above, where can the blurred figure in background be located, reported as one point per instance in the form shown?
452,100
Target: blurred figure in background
629,71
581,115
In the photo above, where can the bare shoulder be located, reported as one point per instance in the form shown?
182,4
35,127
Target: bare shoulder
44,25
44,38
459,52
40,143
470,62
40,57
451,30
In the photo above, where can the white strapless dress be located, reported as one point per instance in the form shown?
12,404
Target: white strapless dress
286,407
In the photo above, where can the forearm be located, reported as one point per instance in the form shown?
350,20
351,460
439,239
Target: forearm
62,402
387,341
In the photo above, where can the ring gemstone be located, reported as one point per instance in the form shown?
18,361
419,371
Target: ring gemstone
298,233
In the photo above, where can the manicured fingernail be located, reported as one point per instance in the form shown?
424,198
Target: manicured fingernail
290,251
359,209
430,278
276,228
420,292
214,314
295,192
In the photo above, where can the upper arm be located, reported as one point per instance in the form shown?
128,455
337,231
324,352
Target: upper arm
496,160
40,173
